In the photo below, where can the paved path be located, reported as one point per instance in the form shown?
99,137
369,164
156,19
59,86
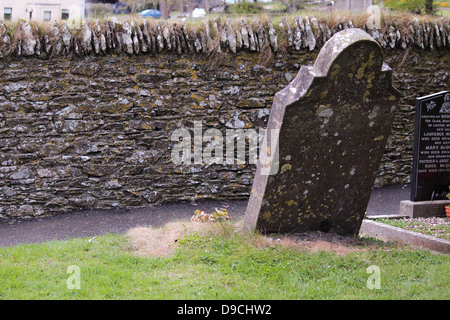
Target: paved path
89,223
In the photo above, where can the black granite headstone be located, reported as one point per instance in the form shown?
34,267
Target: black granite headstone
329,128
431,158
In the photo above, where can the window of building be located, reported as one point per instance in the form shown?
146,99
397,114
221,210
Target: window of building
47,15
7,13
64,14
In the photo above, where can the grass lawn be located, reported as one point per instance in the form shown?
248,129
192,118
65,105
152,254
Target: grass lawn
219,265
443,13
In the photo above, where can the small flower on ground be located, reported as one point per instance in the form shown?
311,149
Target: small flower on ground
217,215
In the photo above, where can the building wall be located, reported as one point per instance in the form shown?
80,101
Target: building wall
352,5
23,9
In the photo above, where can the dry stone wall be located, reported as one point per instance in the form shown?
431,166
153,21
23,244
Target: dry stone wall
86,115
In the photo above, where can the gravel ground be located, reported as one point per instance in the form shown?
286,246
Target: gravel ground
434,226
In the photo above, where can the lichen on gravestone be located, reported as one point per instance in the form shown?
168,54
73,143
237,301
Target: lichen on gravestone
326,135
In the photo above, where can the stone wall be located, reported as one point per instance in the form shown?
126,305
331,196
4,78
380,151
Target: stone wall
87,123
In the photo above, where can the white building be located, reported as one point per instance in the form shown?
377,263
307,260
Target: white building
352,5
41,10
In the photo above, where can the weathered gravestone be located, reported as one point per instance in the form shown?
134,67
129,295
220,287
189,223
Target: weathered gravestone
327,132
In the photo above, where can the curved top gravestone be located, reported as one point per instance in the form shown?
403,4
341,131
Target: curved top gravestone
324,141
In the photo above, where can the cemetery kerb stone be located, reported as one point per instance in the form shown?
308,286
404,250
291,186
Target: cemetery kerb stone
324,141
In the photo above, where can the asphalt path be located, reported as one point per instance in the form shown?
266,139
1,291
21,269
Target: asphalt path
90,223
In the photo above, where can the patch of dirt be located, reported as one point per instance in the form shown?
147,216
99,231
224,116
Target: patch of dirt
321,241
161,242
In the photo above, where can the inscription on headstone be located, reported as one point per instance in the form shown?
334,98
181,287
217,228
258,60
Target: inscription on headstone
431,159
329,128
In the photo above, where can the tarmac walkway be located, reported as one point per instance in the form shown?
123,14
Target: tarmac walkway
89,223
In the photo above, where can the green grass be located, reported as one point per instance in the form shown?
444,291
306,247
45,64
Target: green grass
443,13
220,266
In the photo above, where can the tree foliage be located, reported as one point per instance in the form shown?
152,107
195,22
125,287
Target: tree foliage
245,7
293,5
415,6
135,5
